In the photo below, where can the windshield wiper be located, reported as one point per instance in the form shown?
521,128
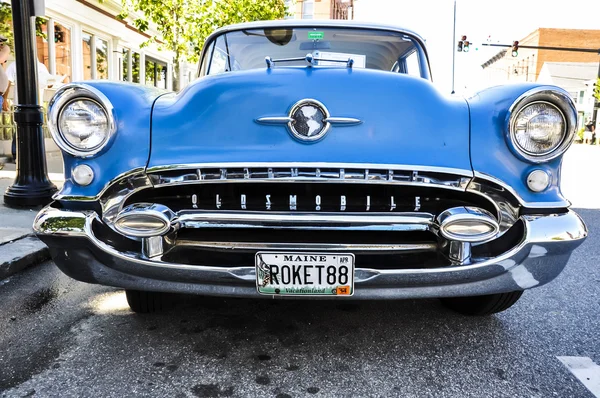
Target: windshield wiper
308,58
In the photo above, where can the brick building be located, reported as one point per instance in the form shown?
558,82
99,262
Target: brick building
320,9
528,64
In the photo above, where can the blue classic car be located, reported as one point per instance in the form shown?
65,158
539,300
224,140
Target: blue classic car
312,159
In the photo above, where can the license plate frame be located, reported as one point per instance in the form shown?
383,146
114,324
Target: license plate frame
303,265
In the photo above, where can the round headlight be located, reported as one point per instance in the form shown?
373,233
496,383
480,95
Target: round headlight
83,123
81,120
541,124
539,128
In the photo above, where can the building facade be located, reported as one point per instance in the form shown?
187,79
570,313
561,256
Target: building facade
80,40
320,9
578,79
527,65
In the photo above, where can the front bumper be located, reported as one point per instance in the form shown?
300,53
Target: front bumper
542,254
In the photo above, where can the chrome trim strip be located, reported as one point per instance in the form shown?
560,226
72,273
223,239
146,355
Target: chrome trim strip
114,199
107,186
342,120
312,174
275,120
334,165
391,247
306,221
508,188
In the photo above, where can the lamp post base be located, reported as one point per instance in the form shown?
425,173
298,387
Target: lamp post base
30,194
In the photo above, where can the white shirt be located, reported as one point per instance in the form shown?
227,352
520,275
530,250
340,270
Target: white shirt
43,76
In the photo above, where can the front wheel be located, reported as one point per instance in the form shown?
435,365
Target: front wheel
482,305
144,302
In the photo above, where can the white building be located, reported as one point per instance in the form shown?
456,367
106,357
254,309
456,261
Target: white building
578,79
85,40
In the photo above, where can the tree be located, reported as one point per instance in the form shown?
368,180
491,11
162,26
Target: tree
597,90
184,25
6,28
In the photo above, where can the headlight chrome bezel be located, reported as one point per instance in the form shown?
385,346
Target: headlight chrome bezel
554,97
68,94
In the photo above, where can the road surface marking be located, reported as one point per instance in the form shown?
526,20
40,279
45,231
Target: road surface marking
585,370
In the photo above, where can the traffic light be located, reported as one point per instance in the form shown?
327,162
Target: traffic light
460,46
466,46
515,48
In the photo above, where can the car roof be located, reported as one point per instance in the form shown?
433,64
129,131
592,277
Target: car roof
316,23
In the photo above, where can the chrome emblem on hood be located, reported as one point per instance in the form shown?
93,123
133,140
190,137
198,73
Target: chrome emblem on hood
308,120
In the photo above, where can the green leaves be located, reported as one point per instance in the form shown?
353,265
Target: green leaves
597,90
184,25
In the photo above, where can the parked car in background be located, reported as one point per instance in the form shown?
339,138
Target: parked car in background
313,159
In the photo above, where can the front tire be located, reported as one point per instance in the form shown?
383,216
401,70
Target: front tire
144,302
482,305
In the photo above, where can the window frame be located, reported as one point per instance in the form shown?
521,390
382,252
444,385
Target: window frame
424,64
84,29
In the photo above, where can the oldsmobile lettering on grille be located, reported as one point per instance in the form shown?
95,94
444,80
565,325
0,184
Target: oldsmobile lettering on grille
317,203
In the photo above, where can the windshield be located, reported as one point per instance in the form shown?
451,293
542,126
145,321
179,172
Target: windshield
373,49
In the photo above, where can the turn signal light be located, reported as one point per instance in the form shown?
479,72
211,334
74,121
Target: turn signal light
467,224
143,220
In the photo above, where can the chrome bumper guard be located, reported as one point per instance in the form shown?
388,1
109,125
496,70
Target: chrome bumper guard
542,254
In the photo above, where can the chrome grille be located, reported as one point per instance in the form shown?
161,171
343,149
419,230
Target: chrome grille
160,177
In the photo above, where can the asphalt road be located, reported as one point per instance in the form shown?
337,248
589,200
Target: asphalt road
59,337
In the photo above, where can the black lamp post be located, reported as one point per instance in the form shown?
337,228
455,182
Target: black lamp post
31,187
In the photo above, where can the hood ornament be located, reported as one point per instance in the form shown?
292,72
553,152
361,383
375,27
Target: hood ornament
308,120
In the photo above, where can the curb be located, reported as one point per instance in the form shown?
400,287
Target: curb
21,254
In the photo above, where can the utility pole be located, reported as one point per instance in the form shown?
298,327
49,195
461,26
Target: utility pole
596,100
453,44
31,187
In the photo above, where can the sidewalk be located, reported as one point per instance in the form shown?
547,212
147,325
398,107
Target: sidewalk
19,248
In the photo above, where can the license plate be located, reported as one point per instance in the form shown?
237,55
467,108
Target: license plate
305,274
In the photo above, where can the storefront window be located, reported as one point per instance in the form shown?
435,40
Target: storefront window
101,59
156,73
41,38
308,8
135,68
86,41
150,73
161,75
125,65
62,49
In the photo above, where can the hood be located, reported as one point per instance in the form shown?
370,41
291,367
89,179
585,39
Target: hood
404,120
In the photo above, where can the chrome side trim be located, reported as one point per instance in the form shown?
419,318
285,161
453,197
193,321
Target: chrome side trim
306,221
391,247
